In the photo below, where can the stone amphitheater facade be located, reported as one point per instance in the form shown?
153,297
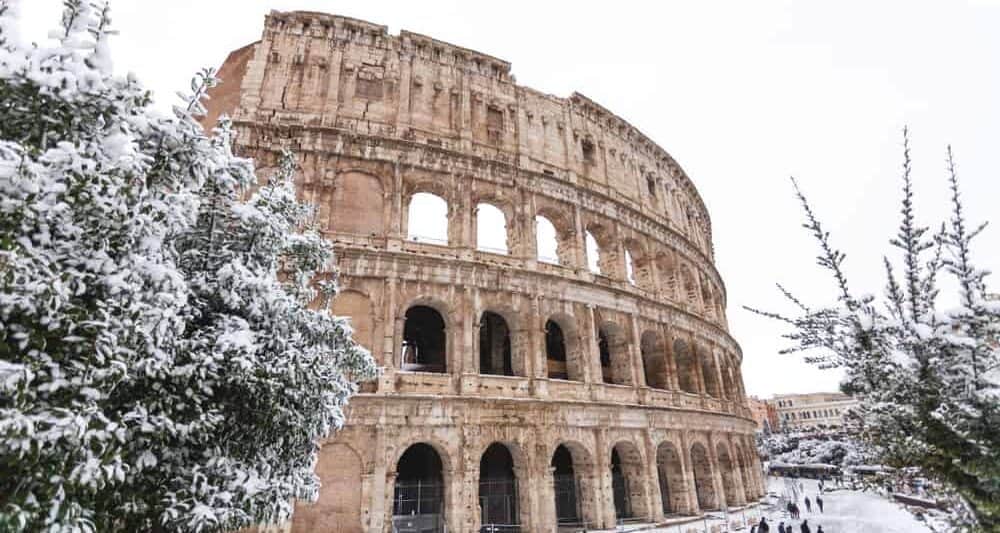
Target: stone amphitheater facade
518,391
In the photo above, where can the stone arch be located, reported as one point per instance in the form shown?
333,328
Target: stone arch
708,371
489,237
687,371
670,474
689,286
497,344
427,215
707,298
654,360
628,481
426,343
612,343
641,264
570,366
356,306
666,265
546,241
726,468
744,472
338,507
701,466
564,231
421,497
503,496
607,254
575,487
357,204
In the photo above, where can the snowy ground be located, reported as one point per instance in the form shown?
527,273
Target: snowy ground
844,510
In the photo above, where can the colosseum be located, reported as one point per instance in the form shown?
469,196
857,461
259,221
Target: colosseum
534,274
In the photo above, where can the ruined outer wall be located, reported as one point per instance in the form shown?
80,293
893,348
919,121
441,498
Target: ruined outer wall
375,118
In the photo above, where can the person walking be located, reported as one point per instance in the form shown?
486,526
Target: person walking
790,507
763,527
819,502
804,528
808,505
795,511
819,529
781,527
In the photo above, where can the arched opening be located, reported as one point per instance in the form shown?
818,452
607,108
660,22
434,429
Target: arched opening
566,488
419,495
427,219
690,288
356,205
708,371
703,484
546,241
654,363
667,268
627,487
707,299
491,229
494,345
424,341
687,372
593,253
613,350
498,496
726,469
670,473
741,467
561,351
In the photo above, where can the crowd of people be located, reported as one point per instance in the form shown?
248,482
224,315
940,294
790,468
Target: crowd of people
795,490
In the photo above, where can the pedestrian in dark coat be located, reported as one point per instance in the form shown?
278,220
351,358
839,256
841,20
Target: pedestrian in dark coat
791,508
753,528
763,527
804,528
781,527
819,503
795,511
819,529
808,505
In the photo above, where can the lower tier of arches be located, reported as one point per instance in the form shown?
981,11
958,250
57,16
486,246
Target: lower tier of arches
427,464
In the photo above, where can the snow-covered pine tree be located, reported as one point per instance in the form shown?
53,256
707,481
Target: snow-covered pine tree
928,378
160,367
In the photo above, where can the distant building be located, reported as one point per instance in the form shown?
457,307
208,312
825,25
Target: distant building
812,410
764,413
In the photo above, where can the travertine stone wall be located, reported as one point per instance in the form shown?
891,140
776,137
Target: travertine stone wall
375,118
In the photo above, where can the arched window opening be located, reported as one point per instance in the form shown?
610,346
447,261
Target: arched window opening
593,253
494,345
708,370
629,268
565,485
671,477
726,469
654,363
546,240
424,340
651,186
418,498
687,372
427,219
491,229
703,478
498,490
555,351
604,348
619,487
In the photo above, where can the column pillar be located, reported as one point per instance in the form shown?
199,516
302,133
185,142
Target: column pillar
654,490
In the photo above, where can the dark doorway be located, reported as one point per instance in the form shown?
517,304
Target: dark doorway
498,491
619,488
494,345
555,351
424,340
604,348
564,483
418,498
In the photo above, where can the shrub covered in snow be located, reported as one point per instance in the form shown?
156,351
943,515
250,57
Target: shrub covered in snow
928,378
156,372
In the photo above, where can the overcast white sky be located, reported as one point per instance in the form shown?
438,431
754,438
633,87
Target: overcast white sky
742,94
